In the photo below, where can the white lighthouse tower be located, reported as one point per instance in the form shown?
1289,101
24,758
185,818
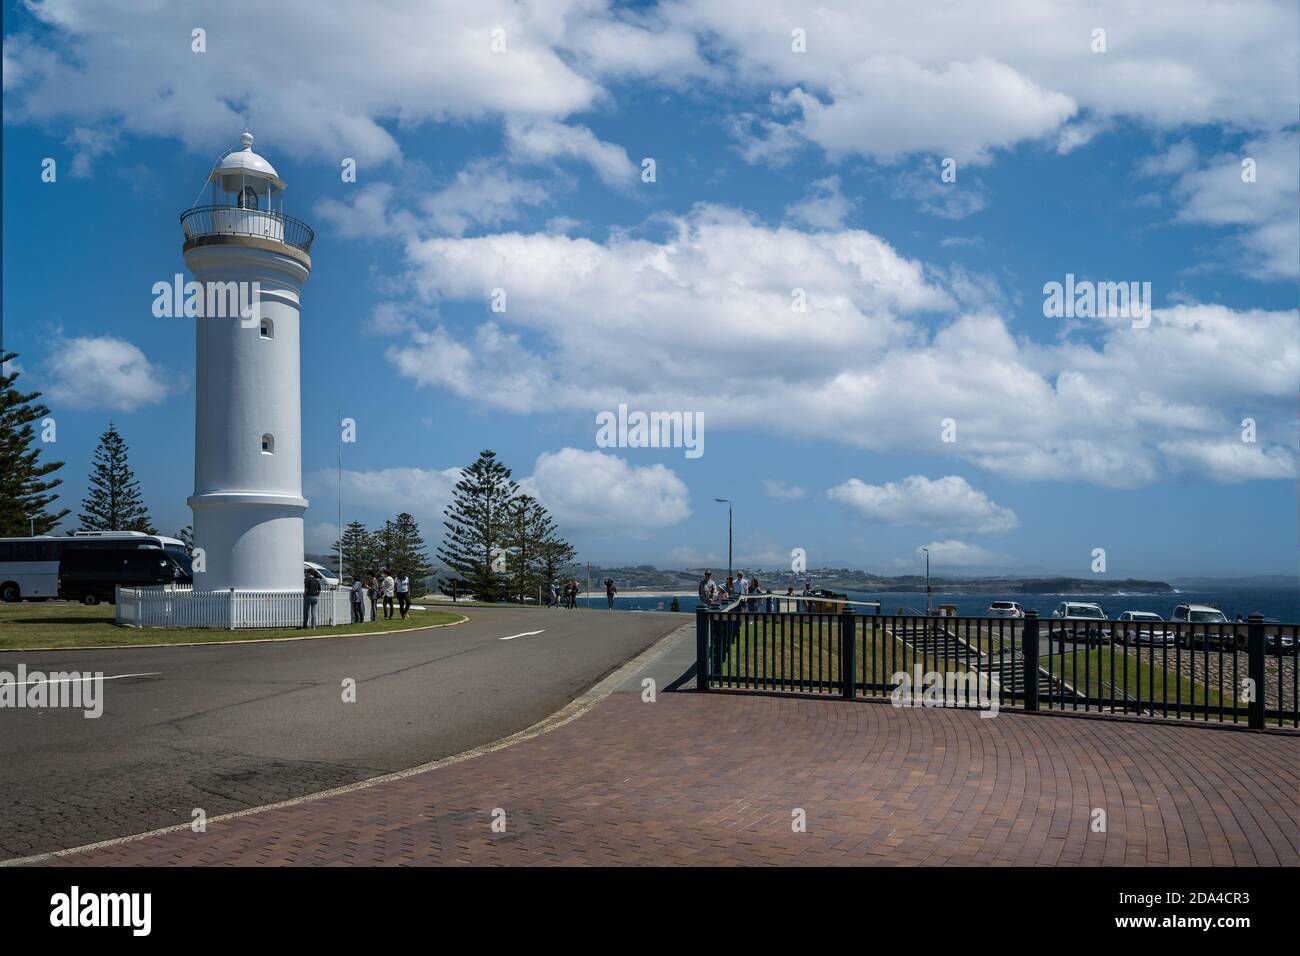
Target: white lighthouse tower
248,504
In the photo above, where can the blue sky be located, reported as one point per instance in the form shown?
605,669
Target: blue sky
775,169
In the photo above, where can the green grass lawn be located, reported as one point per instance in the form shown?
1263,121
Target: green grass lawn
1086,670
66,624
808,658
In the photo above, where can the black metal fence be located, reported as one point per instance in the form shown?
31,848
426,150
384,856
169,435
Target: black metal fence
1241,672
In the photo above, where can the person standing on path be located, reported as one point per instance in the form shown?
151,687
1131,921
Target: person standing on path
310,595
709,590
358,596
610,591
555,594
389,587
742,588
403,593
372,590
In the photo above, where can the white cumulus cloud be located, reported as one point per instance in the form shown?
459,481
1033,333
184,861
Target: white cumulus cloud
105,372
956,554
604,494
949,503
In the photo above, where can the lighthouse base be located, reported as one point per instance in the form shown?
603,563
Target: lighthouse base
250,541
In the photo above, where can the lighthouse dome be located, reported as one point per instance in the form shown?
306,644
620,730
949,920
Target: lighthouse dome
246,164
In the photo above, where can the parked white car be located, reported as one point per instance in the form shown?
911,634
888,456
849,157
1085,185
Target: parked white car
327,580
1143,629
1203,635
1091,631
1005,609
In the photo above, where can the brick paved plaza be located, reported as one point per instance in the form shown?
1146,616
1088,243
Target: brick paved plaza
715,779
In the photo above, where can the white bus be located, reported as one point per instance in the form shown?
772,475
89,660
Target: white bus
29,567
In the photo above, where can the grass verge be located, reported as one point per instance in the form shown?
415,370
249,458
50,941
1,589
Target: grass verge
56,624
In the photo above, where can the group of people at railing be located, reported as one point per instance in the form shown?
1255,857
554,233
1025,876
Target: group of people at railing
750,593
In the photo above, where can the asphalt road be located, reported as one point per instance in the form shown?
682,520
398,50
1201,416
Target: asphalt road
227,727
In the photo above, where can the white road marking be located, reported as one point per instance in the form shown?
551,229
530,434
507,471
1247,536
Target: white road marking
76,680
525,634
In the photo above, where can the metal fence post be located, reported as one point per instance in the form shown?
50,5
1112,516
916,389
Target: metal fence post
848,654
1029,652
701,649
1255,669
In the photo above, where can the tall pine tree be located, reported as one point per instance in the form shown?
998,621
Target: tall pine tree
537,552
523,529
404,551
114,502
477,524
360,551
554,554
24,498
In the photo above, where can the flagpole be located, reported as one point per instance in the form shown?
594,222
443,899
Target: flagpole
340,418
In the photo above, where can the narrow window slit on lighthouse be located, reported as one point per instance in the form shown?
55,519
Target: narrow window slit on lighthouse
268,444
268,330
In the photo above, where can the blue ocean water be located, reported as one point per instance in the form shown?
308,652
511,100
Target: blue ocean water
1280,603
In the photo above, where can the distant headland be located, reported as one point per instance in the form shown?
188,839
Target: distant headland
644,577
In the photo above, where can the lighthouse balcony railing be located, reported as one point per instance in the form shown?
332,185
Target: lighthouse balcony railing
203,221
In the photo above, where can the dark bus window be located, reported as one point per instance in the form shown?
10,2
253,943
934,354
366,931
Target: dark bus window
6,551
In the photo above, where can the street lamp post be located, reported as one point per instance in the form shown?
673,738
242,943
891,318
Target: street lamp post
927,581
727,502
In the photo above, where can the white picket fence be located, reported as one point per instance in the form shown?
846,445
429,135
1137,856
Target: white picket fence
185,607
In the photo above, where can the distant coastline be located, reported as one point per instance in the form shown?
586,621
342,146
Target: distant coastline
648,581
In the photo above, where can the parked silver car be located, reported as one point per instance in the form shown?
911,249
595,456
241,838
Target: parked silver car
1082,622
1005,609
1142,629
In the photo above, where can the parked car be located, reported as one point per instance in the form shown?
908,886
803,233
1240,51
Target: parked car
1203,633
91,575
1276,643
319,571
1142,629
1005,609
1091,630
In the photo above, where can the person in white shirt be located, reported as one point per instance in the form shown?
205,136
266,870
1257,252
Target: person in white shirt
403,593
709,590
390,588
742,588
